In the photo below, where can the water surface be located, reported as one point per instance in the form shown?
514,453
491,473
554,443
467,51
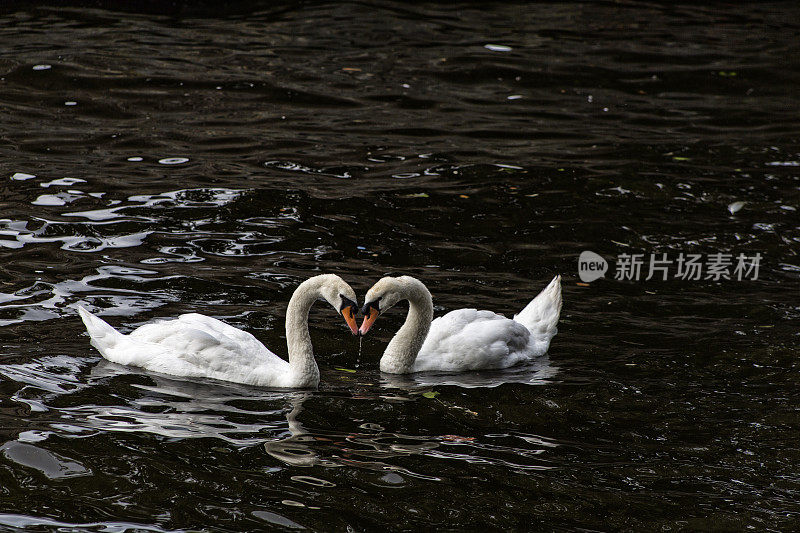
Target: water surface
163,160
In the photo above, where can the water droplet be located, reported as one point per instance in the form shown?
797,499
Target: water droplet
42,67
70,103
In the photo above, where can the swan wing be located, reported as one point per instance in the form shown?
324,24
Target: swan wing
468,339
201,346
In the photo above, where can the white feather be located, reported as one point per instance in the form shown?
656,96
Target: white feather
468,339
465,339
198,346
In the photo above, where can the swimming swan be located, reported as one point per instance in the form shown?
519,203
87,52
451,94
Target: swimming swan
195,345
461,340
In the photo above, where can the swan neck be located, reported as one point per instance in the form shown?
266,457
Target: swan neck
302,364
401,353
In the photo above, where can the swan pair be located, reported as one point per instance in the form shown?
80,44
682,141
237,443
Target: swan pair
195,345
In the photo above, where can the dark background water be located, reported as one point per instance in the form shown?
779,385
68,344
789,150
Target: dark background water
373,138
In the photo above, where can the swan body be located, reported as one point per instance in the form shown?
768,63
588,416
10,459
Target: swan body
198,346
461,340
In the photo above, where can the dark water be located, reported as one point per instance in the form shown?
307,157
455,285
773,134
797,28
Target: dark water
170,159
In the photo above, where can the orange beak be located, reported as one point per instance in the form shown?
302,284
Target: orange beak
350,317
370,317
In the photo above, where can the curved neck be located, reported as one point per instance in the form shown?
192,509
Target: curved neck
303,367
402,350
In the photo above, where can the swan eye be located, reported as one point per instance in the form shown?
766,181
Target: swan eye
370,306
347,303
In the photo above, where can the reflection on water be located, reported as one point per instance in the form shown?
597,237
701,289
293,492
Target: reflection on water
375,448
538,372
207,158
330,450
17,521
239,415
158,404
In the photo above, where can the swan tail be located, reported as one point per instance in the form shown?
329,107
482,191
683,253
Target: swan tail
103,336
541,315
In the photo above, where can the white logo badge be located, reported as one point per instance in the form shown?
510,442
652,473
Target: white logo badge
591,266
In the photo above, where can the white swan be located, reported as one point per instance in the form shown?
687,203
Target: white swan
461,340
195,345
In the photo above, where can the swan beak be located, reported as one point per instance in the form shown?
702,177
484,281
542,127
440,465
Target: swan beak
350,317
370,316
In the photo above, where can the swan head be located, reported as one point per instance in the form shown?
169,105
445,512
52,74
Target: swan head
381,297
341,297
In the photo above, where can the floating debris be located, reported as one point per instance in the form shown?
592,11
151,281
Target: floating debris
735,206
